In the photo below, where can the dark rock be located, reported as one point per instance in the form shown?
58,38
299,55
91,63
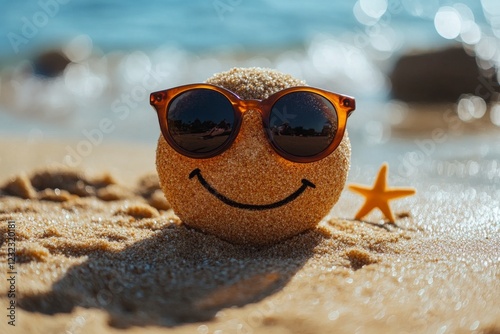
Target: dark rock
440,76
50,64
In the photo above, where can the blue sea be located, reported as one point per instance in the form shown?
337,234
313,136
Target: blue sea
202,25
213,25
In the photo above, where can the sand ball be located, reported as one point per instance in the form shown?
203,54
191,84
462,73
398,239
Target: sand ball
252,174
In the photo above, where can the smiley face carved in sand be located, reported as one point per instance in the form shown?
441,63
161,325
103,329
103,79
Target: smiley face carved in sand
247,190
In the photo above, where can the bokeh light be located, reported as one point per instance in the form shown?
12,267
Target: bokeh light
491,7
79,48
368,12
448,22
83,82
134,66
486,48
495,114
373,8
471,107
471,33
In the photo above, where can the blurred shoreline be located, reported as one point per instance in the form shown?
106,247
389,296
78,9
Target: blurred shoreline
92,85
442,148
86,87
116,86
100,103
66,66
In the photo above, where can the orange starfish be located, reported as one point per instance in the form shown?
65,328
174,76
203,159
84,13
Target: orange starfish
380,195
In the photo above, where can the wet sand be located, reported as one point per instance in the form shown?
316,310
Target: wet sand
98,251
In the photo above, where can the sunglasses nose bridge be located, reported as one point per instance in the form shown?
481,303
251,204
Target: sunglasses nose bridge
246,105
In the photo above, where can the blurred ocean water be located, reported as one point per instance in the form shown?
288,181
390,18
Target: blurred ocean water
120,51
197,25
208,25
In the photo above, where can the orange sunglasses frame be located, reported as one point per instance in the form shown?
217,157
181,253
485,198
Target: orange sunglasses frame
344,106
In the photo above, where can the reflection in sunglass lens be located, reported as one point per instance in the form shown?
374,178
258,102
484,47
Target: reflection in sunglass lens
200,120
303,124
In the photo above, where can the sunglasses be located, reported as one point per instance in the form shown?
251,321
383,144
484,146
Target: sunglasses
303,124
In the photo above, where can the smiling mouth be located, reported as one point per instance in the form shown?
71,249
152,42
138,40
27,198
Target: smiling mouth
305,184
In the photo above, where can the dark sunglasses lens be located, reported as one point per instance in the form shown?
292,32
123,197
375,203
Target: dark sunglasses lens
303,124
200,120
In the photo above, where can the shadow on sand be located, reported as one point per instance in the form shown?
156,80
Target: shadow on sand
176,276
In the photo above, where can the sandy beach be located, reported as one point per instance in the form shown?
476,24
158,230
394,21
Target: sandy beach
89,242
98,251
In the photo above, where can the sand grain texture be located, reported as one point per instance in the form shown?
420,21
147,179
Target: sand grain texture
120,265
250,172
